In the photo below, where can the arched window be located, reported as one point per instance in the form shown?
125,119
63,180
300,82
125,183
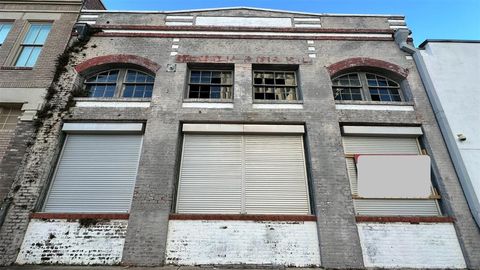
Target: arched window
366,86
128,83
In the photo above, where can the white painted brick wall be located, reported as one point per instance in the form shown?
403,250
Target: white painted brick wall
396,245
63,241
200,242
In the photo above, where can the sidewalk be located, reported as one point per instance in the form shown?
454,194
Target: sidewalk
60,267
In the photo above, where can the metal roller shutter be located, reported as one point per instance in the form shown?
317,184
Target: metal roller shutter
250,174
95,173
275,176
385,207
211,174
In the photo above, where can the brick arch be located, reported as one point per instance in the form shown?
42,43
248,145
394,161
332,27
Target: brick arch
117,59
363,62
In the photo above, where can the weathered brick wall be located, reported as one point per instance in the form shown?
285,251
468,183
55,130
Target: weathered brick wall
214,242
396,245
62,241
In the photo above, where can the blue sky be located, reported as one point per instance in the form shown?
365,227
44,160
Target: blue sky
432,19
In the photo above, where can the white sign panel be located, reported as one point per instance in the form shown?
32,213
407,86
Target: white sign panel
244,21
394,176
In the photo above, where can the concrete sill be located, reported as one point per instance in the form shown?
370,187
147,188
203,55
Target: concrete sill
15,68
113,102
242,217
374,106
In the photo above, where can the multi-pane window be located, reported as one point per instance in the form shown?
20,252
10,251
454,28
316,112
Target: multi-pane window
275,85
365,86
9,117
32,44
127,83
383,89
4,29
347,87
210,84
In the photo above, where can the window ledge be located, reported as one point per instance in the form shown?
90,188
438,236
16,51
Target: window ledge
242,217
374,105
15,68
261,101
79,215
113,102
411,219
207,100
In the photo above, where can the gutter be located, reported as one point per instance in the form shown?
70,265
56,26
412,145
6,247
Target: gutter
473,201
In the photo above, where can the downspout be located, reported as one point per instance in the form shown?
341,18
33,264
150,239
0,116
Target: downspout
473,201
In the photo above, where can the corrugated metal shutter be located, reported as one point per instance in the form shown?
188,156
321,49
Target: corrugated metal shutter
275,176
211,174
95,173
251,174
385,207
380,145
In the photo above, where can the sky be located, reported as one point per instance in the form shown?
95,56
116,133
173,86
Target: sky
428,19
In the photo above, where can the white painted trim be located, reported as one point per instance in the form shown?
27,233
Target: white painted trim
381,130
242,33
102,127
308,25
278,106
112,104
207,105
240,128
306,19
179,17
87,22
370,107
398,27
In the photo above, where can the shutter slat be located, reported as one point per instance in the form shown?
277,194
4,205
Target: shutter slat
380,145
396,207
95,173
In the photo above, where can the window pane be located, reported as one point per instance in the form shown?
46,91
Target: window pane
109,91
205,77
194,91
141,77
226,78
280,93
148,91
128,92
139,91
195,77
42,35
280,78
4,29
204,91
131,75
112,76
32,34
215,92
291,94
34,56
226,92
24,56
290,79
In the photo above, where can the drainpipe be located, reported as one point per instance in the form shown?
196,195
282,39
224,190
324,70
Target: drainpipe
401,36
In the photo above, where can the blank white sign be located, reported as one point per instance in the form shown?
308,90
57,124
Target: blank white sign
394,176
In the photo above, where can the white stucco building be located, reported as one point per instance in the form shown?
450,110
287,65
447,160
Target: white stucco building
452,67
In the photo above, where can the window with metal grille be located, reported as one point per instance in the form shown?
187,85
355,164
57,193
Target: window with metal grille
366,86
4,30
128,83
275,85
32,44
210,84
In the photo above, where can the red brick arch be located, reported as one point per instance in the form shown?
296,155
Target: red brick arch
350,63
117,59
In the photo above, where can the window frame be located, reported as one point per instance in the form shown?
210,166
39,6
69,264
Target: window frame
274,70
365,88
22,44
212,69
120,83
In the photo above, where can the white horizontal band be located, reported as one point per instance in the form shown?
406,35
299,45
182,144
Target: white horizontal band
240,128
380,130
102,127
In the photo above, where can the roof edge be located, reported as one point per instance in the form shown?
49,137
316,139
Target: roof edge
243,7
422,45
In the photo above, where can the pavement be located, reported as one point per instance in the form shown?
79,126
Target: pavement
61,267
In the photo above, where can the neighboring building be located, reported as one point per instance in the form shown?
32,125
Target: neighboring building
32,36
240,136
452,68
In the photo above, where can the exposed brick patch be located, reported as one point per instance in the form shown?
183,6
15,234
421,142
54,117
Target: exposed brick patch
243,217
77,216
245,59
405,219
335,68
115,59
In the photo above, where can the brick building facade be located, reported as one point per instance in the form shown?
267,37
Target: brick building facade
239,136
